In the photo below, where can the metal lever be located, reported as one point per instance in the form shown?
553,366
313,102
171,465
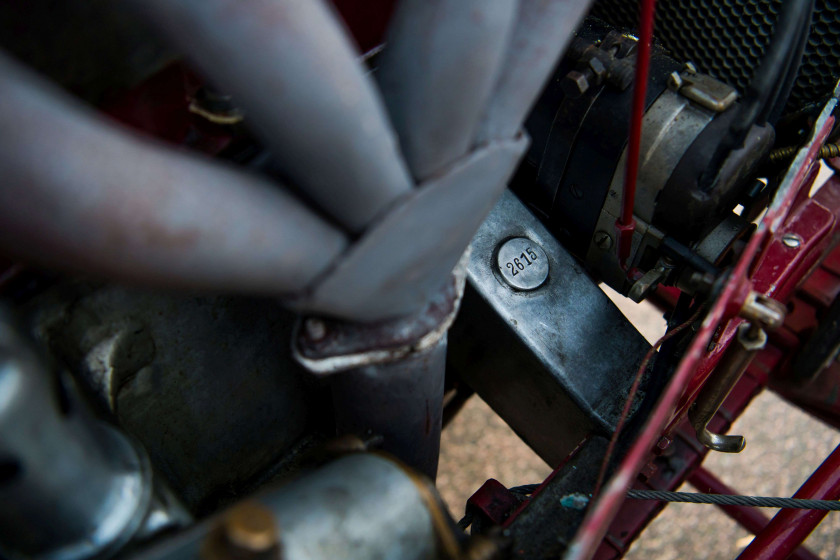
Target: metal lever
750,339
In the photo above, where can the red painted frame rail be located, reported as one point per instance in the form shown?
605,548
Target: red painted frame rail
602,512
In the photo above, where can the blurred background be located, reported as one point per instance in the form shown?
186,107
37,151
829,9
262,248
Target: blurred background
784,445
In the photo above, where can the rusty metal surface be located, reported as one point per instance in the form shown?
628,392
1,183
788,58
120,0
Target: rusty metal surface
326,346
293,69
438,68
94,198
405,259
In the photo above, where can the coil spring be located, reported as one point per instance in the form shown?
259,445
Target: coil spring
784,154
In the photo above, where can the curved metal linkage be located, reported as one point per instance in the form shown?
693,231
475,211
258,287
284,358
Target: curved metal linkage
543,29
81,194
291,66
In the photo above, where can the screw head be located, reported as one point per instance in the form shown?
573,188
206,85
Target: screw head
791,240
690,68
603,240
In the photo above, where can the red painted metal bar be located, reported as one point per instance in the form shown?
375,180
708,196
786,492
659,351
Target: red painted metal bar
602,512
789,528
625,225
748,517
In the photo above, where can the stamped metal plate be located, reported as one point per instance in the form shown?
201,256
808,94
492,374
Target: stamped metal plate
522,263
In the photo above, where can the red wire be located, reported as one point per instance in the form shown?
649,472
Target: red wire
626,224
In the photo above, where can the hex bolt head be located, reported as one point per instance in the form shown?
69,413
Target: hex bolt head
690,68
599,71
574,84
603,240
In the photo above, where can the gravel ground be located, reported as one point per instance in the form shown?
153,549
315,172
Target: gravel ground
784,445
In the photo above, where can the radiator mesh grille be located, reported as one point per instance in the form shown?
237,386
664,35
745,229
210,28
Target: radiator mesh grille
725,38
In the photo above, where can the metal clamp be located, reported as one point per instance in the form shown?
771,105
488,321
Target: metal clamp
704,90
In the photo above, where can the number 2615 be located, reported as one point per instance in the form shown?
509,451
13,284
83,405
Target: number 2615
516,265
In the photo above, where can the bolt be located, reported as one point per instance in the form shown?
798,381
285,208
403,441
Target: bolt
791,240
315,329
599,71
675,81
663,443
574,84
690,68
603,240
647,472
250,527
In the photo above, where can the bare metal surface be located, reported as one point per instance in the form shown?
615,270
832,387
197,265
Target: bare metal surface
554,362
671,124
358,507
291,66
361,506
437,72
522,263
73,486
82,194
543,29
405,259
763,310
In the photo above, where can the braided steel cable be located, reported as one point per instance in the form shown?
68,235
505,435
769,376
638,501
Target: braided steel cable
732,500
716,499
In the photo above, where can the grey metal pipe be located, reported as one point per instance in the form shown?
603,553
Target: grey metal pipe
292,68
82,194
362,506
543,29
71,487
358,507
441,60
401,400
